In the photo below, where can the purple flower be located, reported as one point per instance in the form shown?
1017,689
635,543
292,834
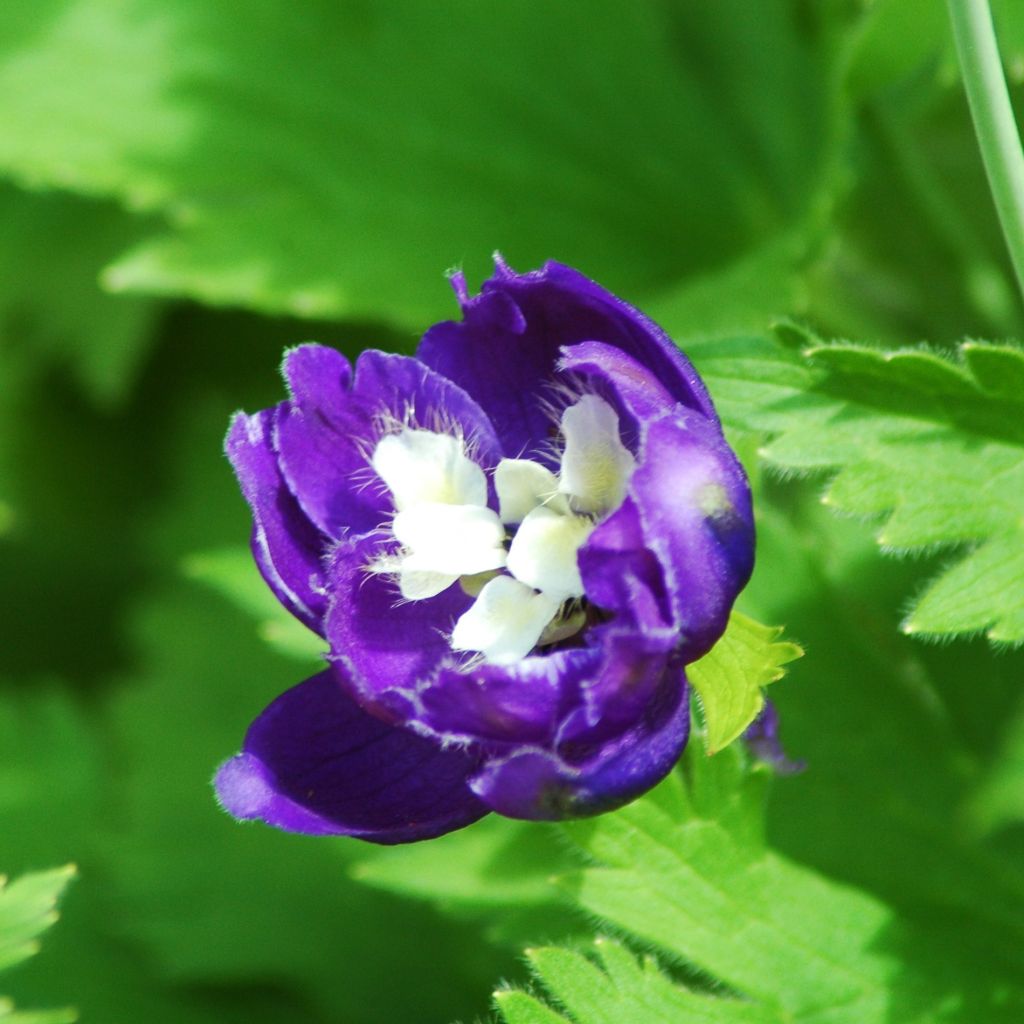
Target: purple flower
763,741
513,543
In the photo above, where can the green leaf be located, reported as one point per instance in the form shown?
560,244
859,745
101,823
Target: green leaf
519,1007
341,180
52,309
999,798
232,573
209,920
932,446
898,736
617,989
743,297
27,908
496,862
10,1016
795,944
729,679
497,871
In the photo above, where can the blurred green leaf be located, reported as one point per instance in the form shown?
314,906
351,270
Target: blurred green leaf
999,798
233,574
248,902
27,909
494,863
729,679
51,771
368,148
55,785
913,248
52,309
496,872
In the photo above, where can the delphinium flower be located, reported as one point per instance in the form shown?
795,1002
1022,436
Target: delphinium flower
513,544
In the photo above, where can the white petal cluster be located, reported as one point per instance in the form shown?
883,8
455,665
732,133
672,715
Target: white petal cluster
442,521
447,532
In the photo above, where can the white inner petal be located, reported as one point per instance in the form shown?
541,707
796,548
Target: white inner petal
455,540
505,622
447,532
418,584
596,465
522,485
421,466
543,552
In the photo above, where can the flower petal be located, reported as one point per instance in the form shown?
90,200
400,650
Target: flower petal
505,351
540,784
505,622
543,552
522,485
630,386
460,540
315,762
763,740
619,573
386,645
285,544
329,432
504,706
419,466
318,440
693,503
596,465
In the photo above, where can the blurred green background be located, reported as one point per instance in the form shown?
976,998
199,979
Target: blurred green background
189,187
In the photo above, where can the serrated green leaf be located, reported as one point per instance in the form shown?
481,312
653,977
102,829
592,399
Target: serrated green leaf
232,573
730,678
28,907
409,134
932,445
796,944
521,1008
617,989
898,736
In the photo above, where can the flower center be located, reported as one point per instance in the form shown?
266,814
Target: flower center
447,531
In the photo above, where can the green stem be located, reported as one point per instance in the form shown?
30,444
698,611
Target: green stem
993,119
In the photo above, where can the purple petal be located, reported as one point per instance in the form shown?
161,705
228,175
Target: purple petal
315,762
762,737
326,436
318,377
539,784
505,352
386,645
634,390
318,440
506,704
285,544
634,667
694,507
620,575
